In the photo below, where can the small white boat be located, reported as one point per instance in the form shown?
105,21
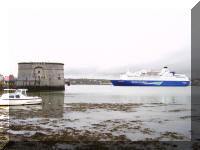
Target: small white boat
18,97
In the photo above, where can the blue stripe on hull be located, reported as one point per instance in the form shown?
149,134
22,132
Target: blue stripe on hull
148,83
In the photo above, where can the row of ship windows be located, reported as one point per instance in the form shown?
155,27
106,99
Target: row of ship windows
177,76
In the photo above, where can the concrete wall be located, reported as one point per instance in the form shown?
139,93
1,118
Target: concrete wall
41,74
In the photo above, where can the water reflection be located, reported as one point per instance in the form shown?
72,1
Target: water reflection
111,94
51,107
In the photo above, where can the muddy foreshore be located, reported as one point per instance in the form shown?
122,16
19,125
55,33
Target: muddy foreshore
4,126
78,123
100,115
33,124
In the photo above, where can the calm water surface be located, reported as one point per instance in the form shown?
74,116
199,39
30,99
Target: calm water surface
105,113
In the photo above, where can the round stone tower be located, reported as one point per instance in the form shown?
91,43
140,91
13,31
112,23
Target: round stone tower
41,75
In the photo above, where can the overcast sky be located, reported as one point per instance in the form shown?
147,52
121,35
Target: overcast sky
100,40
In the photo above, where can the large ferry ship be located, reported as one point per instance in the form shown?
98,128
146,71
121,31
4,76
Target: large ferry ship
152,78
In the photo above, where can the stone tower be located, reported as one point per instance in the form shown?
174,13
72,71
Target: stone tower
41,75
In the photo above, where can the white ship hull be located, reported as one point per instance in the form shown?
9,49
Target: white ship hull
152,78
149,83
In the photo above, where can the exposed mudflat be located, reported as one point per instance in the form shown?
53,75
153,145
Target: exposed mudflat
103,116
101,122
4,125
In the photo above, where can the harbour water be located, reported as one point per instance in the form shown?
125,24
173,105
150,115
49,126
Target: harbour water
103,113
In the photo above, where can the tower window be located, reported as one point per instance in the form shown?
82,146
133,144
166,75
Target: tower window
59,77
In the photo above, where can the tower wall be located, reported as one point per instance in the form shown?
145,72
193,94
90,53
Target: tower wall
41,75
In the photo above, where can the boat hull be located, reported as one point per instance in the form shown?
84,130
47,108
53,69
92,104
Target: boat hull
148,83
9,102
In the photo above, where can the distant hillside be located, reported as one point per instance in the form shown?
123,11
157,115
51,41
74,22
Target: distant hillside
87,82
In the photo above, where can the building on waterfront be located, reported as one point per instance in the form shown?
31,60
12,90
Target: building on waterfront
1,82
9,81
41,76
1,79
